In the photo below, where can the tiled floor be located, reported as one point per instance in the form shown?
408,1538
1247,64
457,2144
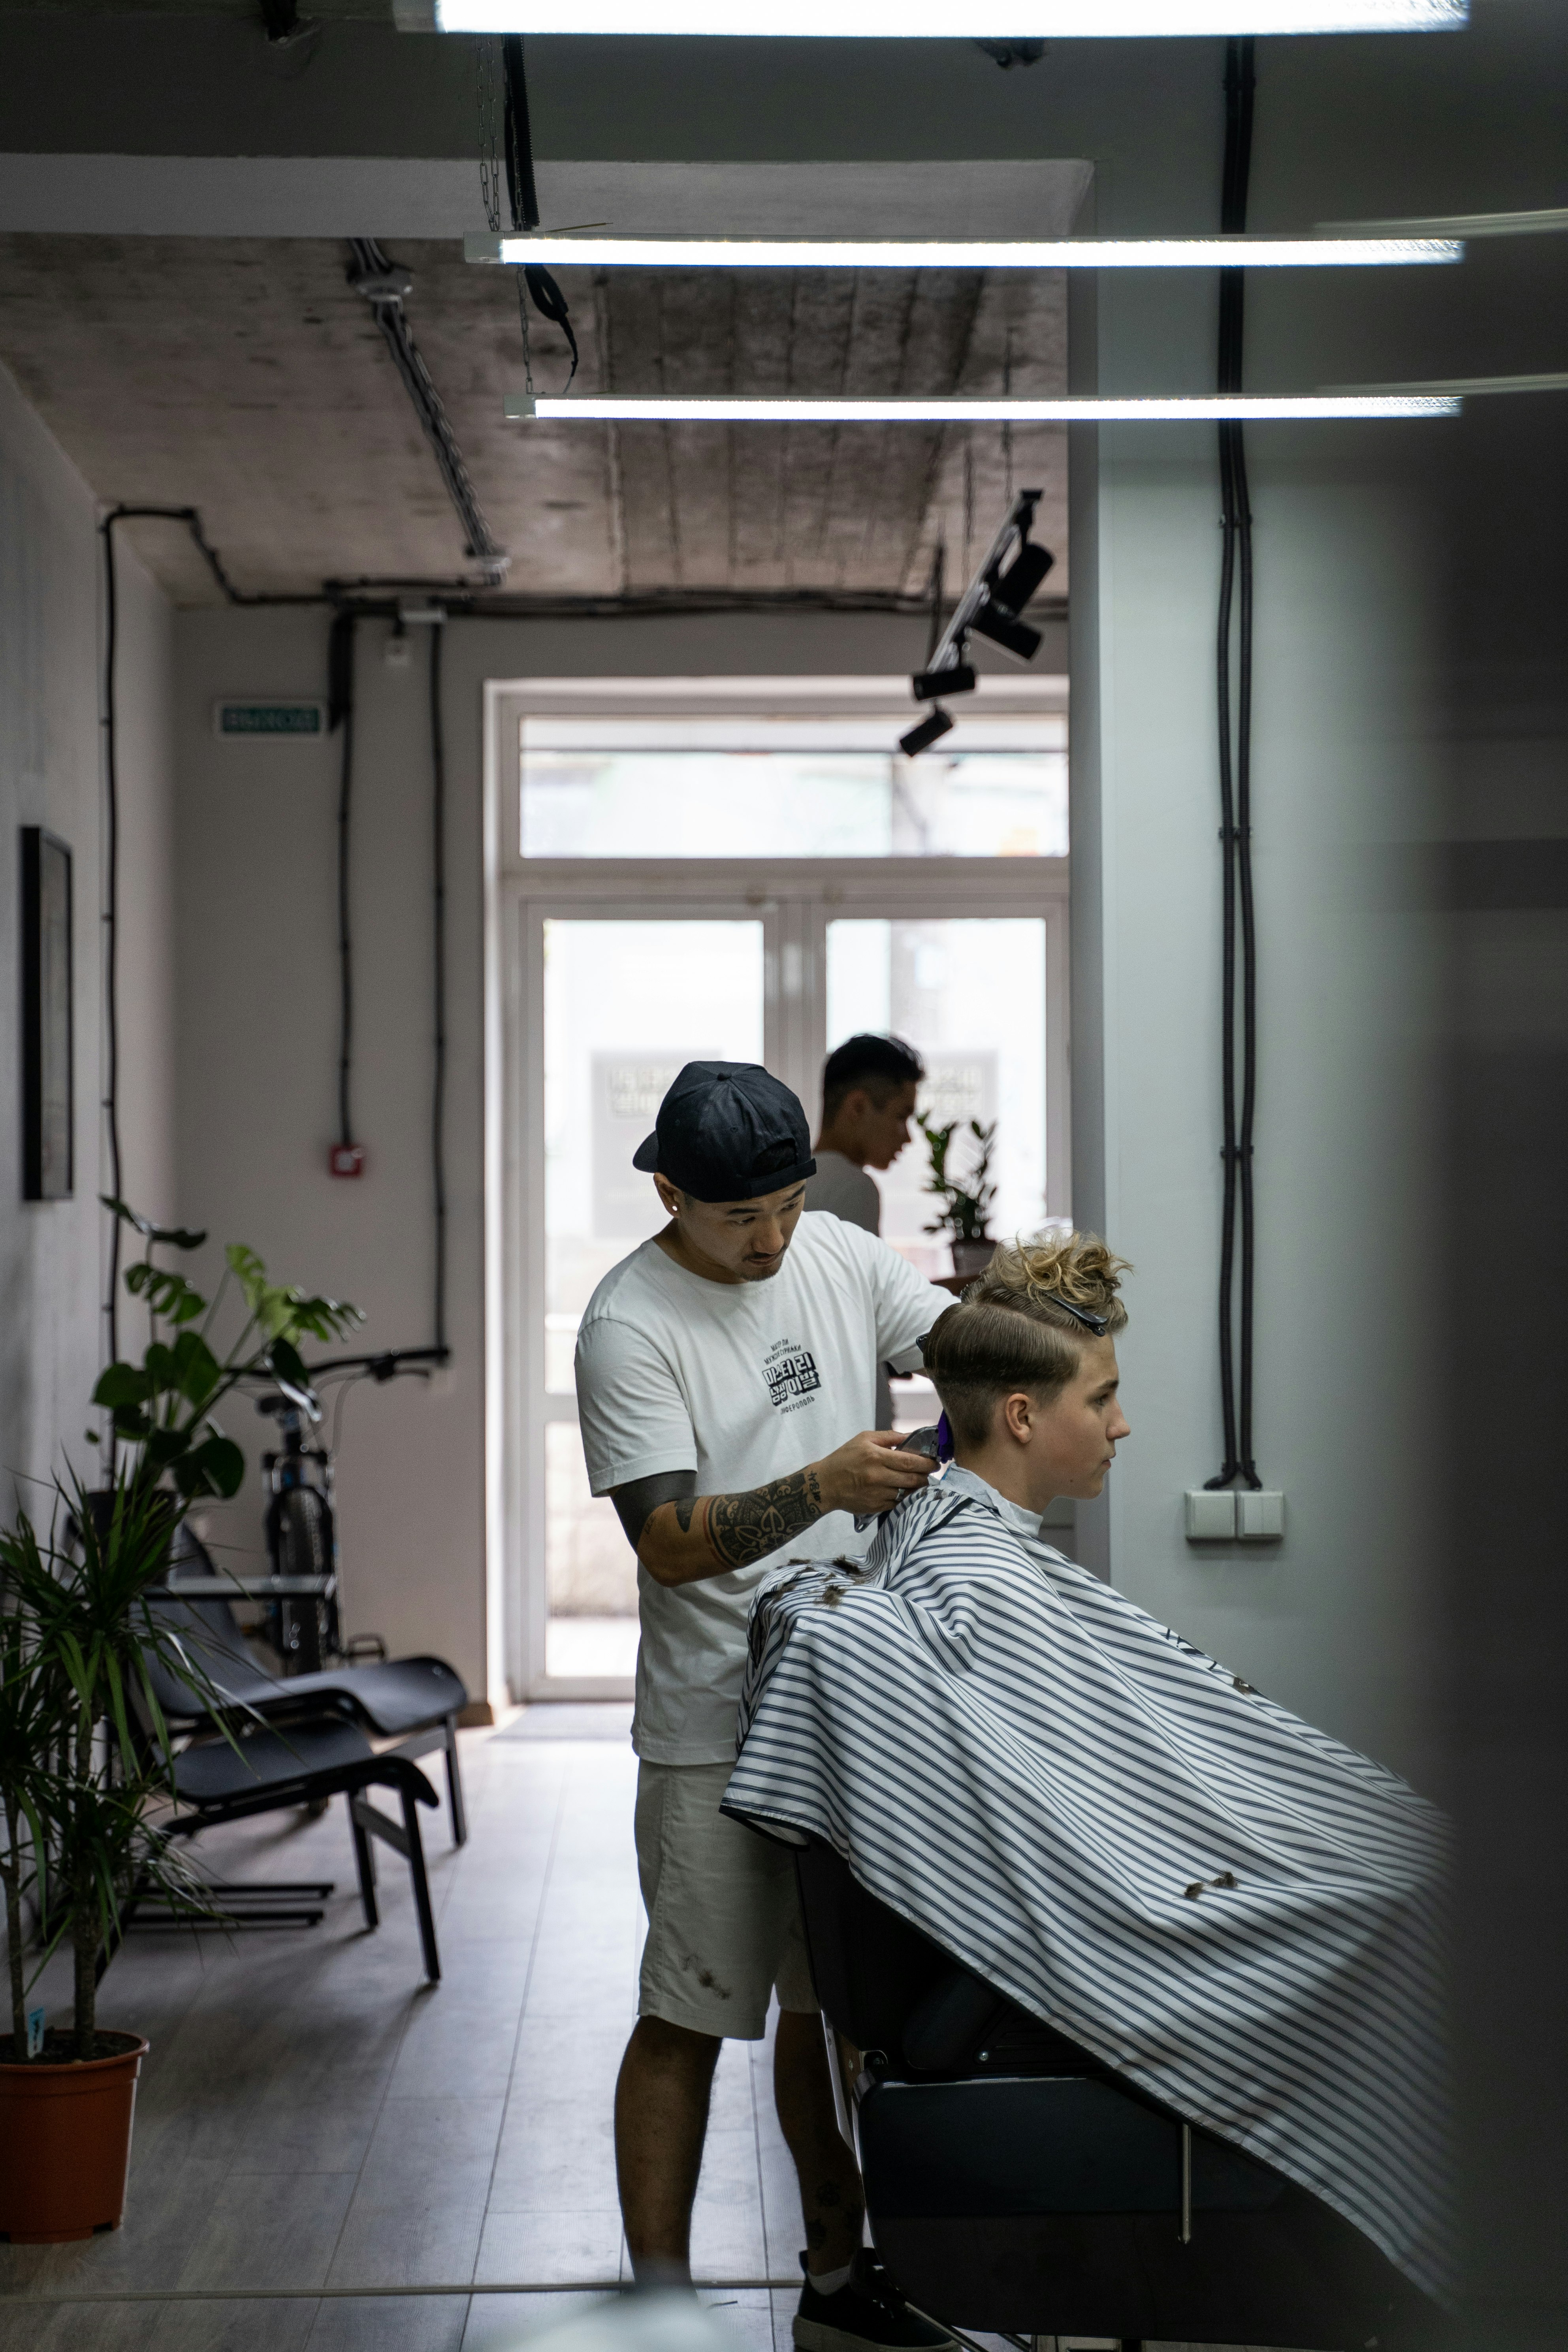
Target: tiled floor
331,2157
312,2116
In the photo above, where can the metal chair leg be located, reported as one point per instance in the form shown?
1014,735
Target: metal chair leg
365,1862
415,1852
455,1786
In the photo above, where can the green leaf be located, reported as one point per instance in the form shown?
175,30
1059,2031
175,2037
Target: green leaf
197,1370
130,1421
249,1271
284,1358
166,1445
168,1294
161,1374
122,1384
323,1318
215,1467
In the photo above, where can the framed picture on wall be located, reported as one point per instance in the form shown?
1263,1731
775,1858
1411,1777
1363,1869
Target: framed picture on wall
48,1107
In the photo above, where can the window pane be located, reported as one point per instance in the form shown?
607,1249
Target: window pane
754,787
590,1571
625,1004
970,996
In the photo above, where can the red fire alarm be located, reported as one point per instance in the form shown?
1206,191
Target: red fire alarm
346,1159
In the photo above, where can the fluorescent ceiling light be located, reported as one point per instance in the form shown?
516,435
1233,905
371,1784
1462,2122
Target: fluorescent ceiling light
1462,386
966,253
934,19
1551,221
590,406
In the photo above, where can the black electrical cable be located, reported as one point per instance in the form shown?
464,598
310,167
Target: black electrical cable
522,199
438,898
341,673
521,193
110,921
1233,694
232,595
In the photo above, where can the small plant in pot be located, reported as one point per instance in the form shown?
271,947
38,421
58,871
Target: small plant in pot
965,1201
86,1763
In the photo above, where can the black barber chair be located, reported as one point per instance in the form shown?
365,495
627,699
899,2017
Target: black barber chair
1014,2184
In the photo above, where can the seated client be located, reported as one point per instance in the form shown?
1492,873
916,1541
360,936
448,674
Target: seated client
1233,1910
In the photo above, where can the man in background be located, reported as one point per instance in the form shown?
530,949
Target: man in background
869,1089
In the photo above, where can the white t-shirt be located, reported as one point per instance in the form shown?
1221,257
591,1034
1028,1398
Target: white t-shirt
742,1383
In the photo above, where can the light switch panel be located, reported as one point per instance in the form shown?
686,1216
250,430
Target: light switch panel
1211,1516
1260,1518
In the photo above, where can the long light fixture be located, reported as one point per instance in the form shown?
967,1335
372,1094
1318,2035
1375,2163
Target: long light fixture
1551,222
933,19
963,253
592,407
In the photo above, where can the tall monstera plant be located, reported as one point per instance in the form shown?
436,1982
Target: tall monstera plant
85,1755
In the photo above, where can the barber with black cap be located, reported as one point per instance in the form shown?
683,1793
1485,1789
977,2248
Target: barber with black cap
726,1384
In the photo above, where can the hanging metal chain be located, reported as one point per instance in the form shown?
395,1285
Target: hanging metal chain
486,56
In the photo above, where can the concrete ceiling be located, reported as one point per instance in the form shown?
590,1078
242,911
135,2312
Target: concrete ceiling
243,376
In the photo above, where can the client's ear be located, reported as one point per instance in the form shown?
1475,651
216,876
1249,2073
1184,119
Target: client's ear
1019,1413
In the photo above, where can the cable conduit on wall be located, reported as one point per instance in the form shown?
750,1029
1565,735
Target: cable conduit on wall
1238,972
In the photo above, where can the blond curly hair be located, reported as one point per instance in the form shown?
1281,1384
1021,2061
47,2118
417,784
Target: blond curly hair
1010,1329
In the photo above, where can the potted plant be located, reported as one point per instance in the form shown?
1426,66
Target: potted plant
966,1203
86,1764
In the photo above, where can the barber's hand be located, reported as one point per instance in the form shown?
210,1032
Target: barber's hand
869,1476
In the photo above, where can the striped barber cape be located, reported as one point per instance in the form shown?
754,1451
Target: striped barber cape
1228,1907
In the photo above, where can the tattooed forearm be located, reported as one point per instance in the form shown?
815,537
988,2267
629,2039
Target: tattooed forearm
743,1528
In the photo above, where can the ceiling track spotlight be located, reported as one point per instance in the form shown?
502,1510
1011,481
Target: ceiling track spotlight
993,607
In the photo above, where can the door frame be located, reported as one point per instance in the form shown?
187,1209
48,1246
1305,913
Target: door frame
795,899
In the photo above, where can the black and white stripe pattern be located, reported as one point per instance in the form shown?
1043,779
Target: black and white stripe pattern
1231,1908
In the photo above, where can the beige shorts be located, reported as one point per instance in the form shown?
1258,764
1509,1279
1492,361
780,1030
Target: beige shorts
723,1915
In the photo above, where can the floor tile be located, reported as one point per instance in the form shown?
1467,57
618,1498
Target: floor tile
569,2247
413,2322
269,2326
420,2205
558,2155
269,2229
747,2313
498,2323
80,2328
328,2132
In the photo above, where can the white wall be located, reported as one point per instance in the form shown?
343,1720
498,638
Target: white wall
258,1029
50,1250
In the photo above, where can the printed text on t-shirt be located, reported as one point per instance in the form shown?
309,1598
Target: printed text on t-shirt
792,1375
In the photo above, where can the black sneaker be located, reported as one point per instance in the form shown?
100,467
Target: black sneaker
868,2314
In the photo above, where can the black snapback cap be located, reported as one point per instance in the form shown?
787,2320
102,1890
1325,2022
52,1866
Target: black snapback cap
729,1131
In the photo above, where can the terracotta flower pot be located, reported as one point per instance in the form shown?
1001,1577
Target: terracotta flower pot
65,2143
970,1259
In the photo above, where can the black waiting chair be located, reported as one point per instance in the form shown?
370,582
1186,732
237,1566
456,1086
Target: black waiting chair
413,1701
273,1769
1014,2184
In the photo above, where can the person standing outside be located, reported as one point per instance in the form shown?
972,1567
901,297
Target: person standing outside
726,1376
868,1089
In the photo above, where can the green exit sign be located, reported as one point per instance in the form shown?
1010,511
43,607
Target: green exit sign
264,718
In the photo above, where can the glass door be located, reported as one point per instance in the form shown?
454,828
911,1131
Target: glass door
625,1002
